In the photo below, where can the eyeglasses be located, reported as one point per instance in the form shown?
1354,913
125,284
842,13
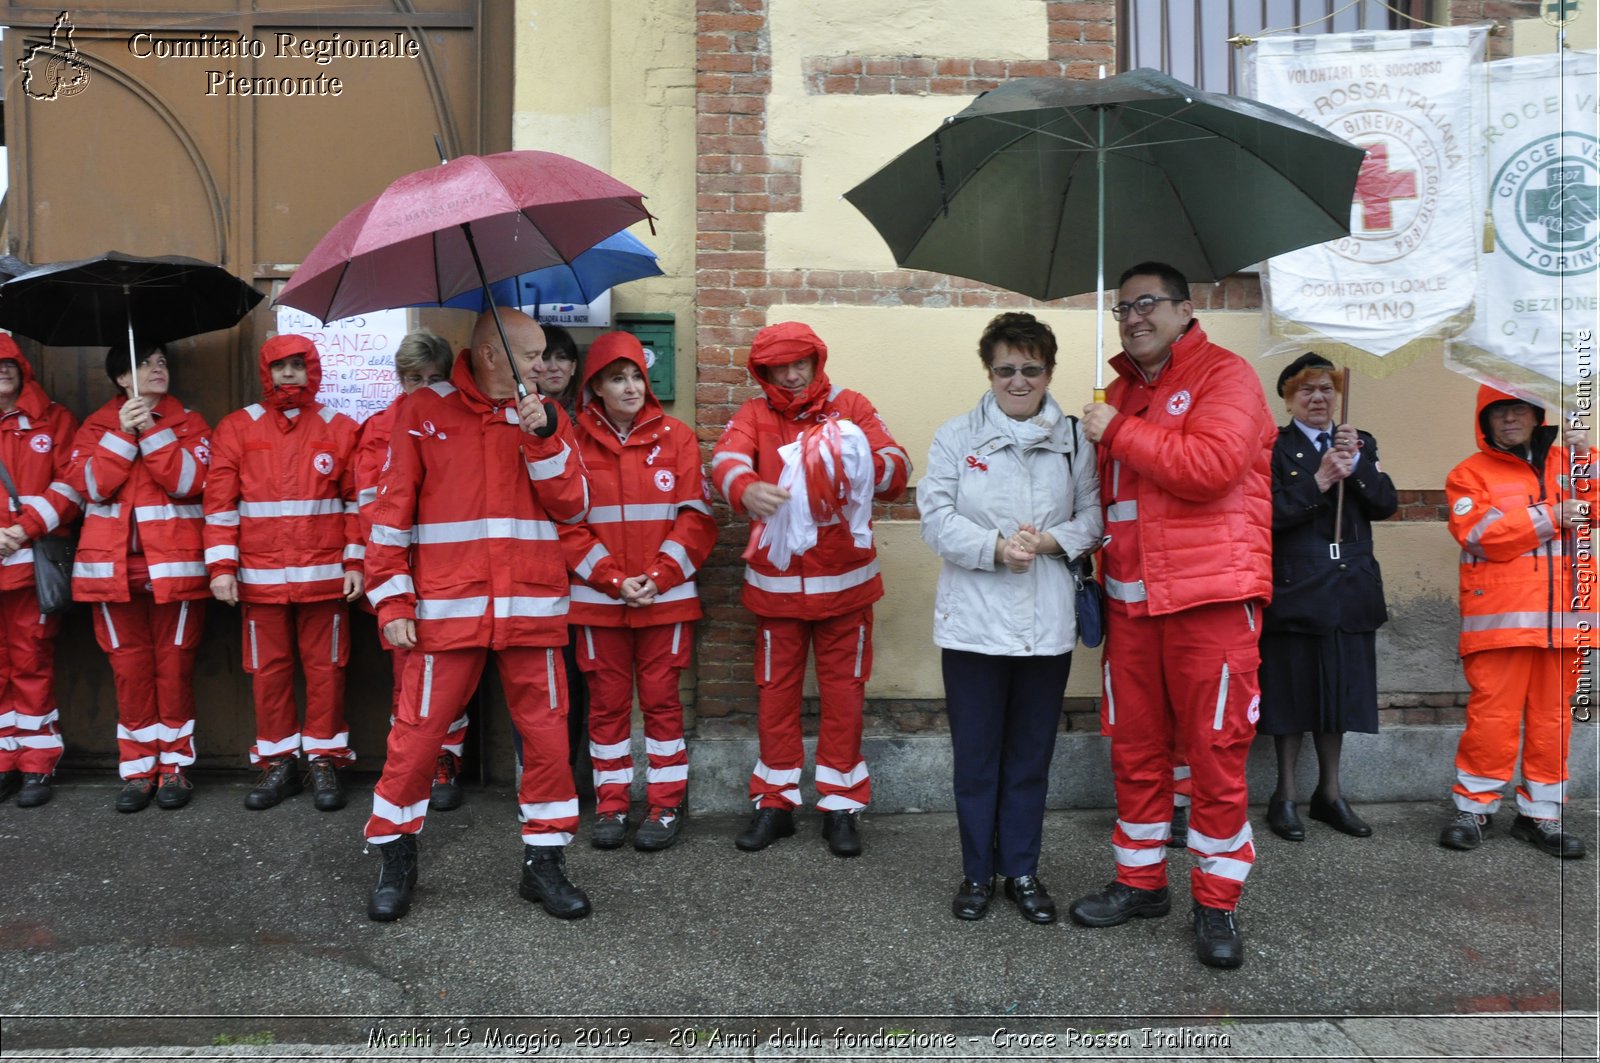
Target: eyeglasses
1142,306
1006,372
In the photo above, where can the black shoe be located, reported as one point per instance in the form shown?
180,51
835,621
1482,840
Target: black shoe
1285,821
391,897
1035,904
972,899
609,830
35,790
1216,937
1179,839
136,794
326,793
1340,816
1465,831
544,879
1118,903
279,779
659,830
839,831
10,783
768,825
446,796
1546,836
175,790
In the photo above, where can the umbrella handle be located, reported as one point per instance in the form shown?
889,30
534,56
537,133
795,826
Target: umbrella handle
505,343
133,355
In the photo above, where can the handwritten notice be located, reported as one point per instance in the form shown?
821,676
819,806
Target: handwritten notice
357,357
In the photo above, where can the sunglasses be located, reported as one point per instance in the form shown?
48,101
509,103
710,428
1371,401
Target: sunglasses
1006,372
1142,306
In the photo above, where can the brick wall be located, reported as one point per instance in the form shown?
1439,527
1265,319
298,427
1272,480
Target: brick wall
739,183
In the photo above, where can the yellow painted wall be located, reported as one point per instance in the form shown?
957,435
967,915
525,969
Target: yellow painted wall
611,83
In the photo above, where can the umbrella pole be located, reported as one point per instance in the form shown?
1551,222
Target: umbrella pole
494,311
1338,505
1100,260
133,356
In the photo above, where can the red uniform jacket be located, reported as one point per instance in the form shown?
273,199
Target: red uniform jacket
835,576
648,509
151,483
1525,580
35,438
1186,477
281,500
464,536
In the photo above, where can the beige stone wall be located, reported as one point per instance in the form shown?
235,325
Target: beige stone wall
611,82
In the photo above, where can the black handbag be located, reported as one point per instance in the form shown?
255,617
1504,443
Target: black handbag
52,559
1090,601
1088,598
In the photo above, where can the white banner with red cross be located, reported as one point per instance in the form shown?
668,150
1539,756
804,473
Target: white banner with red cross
1537,295
1403,277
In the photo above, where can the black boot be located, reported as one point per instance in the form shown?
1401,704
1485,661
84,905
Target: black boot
1179,838
768,825
35,790
136,794
279,779
1216,937
446,795
1118,903
391,897
326,792
839,831
544,879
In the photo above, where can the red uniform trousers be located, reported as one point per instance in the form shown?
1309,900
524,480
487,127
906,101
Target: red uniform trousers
843,648
29,738
271,633
1519,692
455,740
434,694
152,650
611,658
1190,674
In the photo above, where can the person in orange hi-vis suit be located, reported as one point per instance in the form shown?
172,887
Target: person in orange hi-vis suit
465,560
140,462
1520,508
634,599
284,539
35,436
821,600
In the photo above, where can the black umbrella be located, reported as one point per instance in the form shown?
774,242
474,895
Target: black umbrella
111,297
1040,182
12,266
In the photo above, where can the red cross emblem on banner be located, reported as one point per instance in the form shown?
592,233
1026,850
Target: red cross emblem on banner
1377,187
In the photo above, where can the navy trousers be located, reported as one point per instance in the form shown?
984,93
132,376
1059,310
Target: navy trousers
1003,716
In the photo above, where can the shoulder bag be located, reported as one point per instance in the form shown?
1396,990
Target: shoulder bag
52,559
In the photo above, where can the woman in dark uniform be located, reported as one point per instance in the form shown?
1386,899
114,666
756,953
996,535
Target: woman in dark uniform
1318,665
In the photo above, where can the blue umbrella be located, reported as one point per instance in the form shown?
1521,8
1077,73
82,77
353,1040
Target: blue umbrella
615,260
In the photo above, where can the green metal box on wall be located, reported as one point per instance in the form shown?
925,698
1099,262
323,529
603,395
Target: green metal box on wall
655,332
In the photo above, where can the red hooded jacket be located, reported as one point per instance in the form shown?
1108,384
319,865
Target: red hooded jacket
1525,580
1186,478
280,500
35,437
649,513
835,576
155,481
464,537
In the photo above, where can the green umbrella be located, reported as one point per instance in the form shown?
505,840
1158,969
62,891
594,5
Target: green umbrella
1040,182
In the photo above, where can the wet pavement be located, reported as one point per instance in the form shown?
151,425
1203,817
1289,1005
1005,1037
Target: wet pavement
217,932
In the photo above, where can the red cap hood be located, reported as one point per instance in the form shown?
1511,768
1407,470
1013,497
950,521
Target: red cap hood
609,348
1488,396
279,348
31,399
780,344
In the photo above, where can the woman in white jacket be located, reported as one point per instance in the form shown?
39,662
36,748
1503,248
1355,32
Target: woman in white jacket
1009,497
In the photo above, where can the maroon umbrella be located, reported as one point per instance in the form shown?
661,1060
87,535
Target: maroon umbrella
436,233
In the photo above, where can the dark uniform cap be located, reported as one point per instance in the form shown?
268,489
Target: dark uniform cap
1309,360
